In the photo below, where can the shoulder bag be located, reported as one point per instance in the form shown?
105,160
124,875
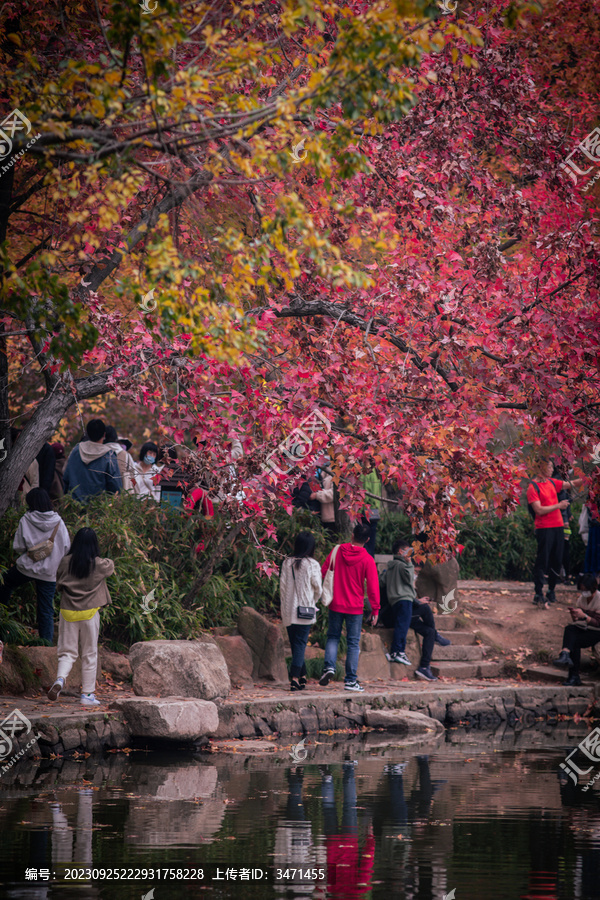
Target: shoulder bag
303,612
42,550
327,595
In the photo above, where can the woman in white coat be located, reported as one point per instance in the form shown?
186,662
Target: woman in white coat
300,587
145,482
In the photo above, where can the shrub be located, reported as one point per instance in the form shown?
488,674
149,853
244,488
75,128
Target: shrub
153,549
494,549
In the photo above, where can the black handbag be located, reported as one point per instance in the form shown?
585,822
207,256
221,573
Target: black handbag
306,612
303,612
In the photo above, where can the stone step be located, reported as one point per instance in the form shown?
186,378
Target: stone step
543,673
458,637
483,669
491,668
445,623
458,652
455,669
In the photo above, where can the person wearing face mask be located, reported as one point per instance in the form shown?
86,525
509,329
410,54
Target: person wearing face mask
585,630
147,483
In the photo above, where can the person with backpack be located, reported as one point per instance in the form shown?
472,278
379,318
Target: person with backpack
300,586
352,566
41,540
81,581
546,509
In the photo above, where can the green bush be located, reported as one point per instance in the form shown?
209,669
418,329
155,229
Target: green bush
153,549
494,549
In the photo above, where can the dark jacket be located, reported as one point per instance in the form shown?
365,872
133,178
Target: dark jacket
46,461
91,469
301,498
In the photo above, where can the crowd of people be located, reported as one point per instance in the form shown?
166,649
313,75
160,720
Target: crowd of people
101,462
352,572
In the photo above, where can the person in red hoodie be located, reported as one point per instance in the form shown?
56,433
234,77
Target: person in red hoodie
353,567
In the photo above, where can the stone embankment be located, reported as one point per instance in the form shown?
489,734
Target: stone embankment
135,721
233,685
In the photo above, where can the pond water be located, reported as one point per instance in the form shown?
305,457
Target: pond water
468,817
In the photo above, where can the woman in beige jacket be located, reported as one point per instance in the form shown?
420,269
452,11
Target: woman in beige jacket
81,581
325,498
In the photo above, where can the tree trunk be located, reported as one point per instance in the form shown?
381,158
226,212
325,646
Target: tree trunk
207,570
42,425
6,186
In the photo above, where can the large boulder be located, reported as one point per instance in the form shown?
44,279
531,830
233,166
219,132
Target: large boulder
173,718
266,643
44,661
179,669
238,657
115,664
372,662
438,581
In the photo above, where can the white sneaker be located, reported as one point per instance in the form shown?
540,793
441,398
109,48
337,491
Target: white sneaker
400,658
89,700
355,686
54,692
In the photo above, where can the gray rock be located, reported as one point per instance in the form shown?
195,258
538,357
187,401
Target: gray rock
45,663
266,643
403,721
243,726
309,719
286,722
238,657
437,581
179,669
174,718
116,664
71,738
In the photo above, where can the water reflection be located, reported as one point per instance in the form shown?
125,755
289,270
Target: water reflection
378,821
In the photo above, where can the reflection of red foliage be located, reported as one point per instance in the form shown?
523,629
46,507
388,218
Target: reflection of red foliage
542,886
349,872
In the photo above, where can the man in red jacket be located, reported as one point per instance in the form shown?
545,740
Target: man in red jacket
353,566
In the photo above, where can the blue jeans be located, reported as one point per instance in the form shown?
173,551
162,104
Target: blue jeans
45,598
334,633
298,635
349,823
403,610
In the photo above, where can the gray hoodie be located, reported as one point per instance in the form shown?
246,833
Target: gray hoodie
34,528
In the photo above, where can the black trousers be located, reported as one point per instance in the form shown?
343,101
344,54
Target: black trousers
550,542
575,639
423,623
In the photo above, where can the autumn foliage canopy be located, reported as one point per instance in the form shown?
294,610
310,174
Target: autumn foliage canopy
356,208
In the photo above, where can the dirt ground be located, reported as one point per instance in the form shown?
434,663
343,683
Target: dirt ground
506,619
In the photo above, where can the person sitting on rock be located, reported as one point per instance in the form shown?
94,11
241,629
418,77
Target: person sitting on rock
585,630
410,612
81,581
